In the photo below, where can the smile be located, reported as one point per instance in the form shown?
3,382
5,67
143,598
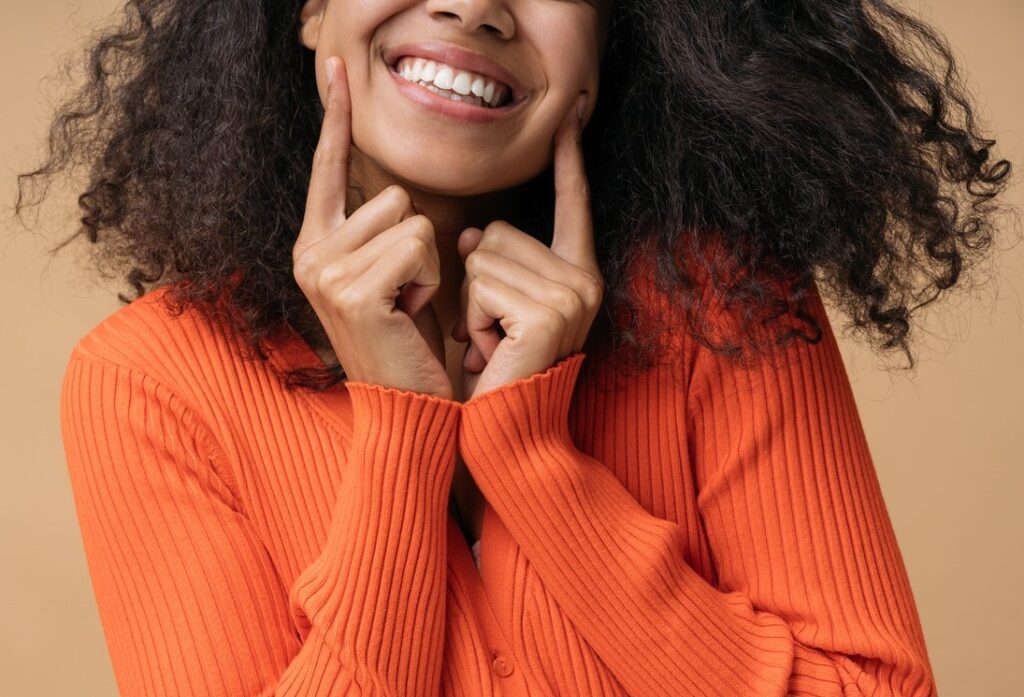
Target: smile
454,82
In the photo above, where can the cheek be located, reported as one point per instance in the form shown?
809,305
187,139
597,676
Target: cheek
568,48
354,27
355,30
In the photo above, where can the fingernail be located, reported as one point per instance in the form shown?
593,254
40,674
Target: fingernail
332,64
466,232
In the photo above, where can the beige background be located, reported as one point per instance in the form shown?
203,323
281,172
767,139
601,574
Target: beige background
947,441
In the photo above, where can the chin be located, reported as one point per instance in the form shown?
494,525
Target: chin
453,178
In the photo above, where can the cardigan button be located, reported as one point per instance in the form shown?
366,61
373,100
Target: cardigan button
502,665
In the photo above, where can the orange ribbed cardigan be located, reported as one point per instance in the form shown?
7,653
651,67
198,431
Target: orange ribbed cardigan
697,529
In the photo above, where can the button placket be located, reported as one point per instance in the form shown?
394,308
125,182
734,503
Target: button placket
499,650
502,664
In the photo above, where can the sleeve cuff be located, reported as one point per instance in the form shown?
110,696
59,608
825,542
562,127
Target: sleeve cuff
388,523
522,416
401,431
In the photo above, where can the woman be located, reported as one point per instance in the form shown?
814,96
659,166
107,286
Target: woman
617,383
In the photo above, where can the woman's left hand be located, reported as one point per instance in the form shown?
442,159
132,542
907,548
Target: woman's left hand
545,299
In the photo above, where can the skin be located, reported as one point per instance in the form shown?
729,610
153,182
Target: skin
463,176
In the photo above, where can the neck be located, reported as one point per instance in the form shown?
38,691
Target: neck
449,214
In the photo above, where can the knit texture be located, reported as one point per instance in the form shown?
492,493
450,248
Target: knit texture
698,529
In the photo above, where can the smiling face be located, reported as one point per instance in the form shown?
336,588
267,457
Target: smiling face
529,58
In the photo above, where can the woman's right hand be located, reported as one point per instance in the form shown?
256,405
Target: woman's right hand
369,277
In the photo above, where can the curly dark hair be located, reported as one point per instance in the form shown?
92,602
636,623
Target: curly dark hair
816,143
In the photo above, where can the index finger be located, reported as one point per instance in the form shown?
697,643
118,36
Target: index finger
573,238
328,184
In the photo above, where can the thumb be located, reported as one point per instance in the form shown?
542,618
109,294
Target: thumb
469,239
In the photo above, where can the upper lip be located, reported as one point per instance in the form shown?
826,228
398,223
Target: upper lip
457,57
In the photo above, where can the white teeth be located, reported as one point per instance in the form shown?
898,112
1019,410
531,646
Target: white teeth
458,85
463,83
478,86
444,78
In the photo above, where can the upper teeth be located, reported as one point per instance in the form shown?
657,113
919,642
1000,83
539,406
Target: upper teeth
445,77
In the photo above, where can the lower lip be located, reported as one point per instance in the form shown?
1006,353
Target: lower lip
459,111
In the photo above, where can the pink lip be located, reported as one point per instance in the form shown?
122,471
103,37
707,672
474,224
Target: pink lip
457,57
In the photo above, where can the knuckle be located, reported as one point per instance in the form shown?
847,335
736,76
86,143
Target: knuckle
476,284
302,267
397,194
300,279
551,323
568,302
495,232
306,268
423,228
473,261
563,300
415,246
593,291
331,277
349,299
554,322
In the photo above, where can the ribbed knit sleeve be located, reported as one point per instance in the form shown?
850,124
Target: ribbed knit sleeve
189,599
812,598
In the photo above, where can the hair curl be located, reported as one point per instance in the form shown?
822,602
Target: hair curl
815,141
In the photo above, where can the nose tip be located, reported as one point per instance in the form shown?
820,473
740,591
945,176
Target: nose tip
490,15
